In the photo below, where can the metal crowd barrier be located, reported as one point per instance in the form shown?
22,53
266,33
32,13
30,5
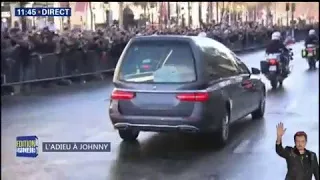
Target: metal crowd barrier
50,67
47,67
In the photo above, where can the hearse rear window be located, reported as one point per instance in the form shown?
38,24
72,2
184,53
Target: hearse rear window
158,62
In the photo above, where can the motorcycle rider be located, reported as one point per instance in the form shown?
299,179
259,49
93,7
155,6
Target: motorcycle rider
276,46
312,39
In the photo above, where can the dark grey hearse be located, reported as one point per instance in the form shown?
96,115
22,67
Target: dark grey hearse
182,83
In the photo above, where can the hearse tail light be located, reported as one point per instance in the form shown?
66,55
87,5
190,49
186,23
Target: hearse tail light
122,95
193,97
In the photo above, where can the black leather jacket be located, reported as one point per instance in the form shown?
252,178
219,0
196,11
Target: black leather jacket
313,39
276,46
300,166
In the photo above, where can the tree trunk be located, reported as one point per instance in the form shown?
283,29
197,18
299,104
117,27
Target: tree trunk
68,20
217,12
145,11
23,19
91,16
200,13
169,13
222,12
120,14
189,14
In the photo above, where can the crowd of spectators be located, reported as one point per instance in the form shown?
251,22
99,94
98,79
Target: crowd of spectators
46,41
112,40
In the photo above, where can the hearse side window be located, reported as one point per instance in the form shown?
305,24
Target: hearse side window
243,69
219,65
158,62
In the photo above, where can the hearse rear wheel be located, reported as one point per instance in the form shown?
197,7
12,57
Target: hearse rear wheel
129,135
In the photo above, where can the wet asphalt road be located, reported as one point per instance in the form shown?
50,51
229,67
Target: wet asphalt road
79,113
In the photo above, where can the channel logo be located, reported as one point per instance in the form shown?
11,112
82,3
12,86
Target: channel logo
27,146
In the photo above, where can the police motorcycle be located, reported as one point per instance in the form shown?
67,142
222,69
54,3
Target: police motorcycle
310,54
274,70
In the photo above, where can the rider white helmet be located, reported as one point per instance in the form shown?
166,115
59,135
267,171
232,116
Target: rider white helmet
312,32
202,34
276,36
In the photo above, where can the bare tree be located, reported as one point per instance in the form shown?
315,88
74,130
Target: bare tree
144,6
23,18
91,15
121,14
68,20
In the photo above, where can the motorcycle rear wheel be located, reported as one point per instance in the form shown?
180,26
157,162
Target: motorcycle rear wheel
274,84
312,63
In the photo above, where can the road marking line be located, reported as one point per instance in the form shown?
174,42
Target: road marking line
241,147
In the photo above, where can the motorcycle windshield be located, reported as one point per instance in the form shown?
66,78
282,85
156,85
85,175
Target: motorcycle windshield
311,45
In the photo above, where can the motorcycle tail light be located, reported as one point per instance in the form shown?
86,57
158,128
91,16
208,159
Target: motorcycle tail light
310,50
194,97
273,61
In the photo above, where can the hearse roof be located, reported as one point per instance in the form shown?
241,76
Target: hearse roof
201,41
